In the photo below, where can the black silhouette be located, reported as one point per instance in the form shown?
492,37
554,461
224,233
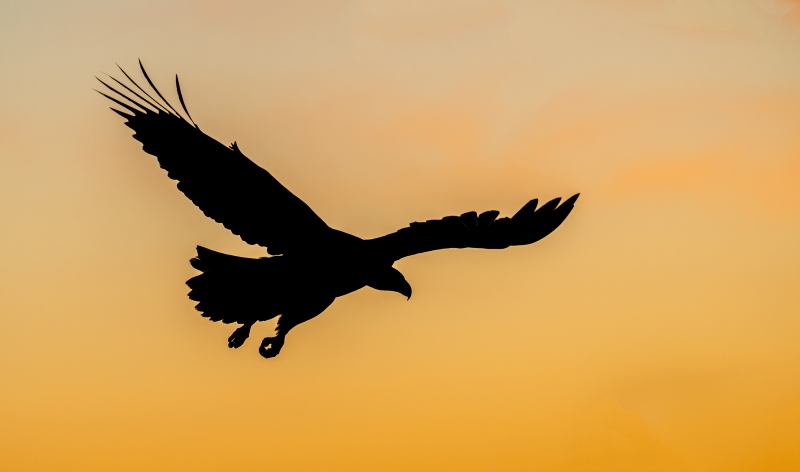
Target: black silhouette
312,263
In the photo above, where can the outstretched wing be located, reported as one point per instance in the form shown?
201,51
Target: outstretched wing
479,231
227,186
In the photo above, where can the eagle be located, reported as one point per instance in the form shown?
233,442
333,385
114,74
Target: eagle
310,264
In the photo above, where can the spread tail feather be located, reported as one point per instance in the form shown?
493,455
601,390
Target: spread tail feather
235,289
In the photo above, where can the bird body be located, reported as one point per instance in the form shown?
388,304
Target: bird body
311,264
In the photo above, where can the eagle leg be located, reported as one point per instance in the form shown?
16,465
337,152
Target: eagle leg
239,336
271,347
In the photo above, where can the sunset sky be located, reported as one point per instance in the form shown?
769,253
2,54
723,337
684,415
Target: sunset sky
657,329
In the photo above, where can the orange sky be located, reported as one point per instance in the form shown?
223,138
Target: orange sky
656,330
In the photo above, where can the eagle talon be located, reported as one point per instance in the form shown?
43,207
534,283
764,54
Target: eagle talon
275,344
239,336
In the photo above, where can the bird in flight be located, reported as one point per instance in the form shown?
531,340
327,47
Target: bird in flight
311,264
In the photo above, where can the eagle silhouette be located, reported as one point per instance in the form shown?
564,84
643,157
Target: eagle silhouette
311,262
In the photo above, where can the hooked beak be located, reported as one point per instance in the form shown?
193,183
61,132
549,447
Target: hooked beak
406,291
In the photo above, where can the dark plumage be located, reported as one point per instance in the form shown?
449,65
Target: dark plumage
312,263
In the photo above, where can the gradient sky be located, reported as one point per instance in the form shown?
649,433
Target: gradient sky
657,329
